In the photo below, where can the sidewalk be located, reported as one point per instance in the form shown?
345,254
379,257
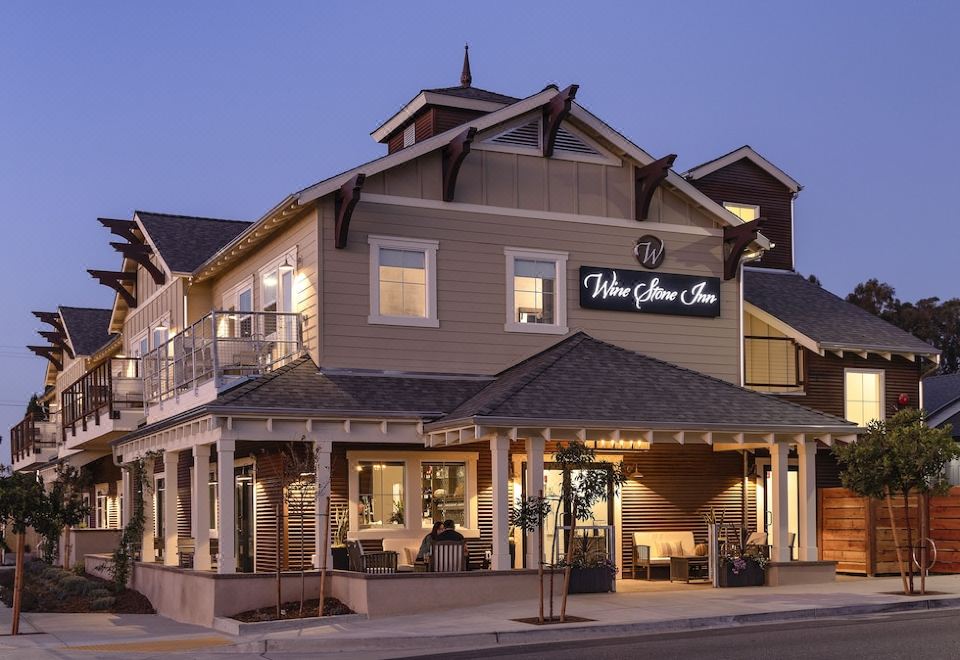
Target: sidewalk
638,608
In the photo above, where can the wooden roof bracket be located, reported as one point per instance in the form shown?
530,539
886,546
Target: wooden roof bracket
554,112
140,253
57,339
344,201
114,280
52,353
122,228
736,240
453,155
52,319
646,180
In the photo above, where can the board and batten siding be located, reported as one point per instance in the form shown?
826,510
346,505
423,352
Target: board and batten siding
471,296
302,235
166,302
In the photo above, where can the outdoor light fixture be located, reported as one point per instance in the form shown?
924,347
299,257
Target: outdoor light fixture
286,266
636,474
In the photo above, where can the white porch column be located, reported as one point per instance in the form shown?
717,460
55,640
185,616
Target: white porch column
147,552
322,477
126,495
226,494
781,519
170,556
807,481
500,455
535,449
200,507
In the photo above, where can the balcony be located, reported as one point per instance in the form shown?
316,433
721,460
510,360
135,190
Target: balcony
34,440
218,351
104,402
773,364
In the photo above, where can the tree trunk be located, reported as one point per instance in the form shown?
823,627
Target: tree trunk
18,585
66,548
571,542
540,552
910,547
896,543
924,533
324,549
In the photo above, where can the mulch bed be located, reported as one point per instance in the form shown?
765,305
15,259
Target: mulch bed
291,610
35,599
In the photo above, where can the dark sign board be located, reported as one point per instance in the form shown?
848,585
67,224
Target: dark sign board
623,290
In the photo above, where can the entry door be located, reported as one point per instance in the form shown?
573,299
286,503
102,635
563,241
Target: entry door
793,505
244,503
602,513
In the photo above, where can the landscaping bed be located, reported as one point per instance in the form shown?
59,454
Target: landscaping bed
291,610
50,589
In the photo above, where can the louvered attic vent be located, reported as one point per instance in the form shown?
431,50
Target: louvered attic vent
567,141
528,136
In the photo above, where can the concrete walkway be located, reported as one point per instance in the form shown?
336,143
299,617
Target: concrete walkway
638,608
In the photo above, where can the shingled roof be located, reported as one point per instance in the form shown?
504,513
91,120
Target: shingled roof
87,328
474,93
584,381
186,242
939,391
823,317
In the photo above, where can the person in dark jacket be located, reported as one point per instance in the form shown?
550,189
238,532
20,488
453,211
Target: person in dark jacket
449,533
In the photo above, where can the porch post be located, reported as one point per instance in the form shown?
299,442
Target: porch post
200,509
170,556
147,552
535,449
500,454
778,469
322,484
807,478
226,493
126,496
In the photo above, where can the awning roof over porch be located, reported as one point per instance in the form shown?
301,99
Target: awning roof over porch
583,383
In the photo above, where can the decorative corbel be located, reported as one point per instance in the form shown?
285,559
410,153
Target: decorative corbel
52,319
554,112
453,155
51,353
57,339
121,228
646,180
736,240
114,280
345,200
140,253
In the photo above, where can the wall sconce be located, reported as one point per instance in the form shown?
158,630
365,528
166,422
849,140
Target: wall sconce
636,474
286,266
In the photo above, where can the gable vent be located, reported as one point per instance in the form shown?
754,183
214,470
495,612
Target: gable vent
567,141
527,135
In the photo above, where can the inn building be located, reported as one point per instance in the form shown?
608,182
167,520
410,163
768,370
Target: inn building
511,274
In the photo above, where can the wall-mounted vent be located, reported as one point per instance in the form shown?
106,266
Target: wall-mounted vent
527,136
567,141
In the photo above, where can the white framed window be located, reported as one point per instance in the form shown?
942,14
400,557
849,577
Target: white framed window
277,295
863,392
101,516
536,291
445,493
746,212
403,281
239,301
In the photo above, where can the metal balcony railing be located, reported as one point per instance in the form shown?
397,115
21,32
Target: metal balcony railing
222,346
773,363
33,434
104,391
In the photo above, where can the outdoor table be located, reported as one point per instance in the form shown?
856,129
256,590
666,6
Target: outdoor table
680,568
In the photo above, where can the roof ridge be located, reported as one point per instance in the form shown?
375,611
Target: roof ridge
88,309
191,217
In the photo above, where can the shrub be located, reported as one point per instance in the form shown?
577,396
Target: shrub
99,592
79,568
76,585
104,603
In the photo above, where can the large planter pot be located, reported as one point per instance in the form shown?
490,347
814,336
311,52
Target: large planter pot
751,576
341,560
590,581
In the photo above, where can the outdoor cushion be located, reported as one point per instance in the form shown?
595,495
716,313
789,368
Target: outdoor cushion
663,545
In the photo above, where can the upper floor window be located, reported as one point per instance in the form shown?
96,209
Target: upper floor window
403,281
746,212
276,294
863,395
536,291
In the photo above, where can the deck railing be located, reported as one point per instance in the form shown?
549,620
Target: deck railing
222,346
33,434
104,391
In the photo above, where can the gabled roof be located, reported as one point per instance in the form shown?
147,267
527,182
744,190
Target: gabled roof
748,152
87,328
469,98
474,93
939,391
185,242
829,321
583,381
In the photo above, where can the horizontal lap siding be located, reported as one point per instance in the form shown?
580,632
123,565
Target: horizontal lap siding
843,528
471,298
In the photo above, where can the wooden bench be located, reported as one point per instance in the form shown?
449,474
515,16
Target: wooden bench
374,560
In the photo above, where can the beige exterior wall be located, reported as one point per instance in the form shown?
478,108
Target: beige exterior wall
471,296
164,302
72,370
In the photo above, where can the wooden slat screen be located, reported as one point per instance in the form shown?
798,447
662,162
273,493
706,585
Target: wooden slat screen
184,504
267,497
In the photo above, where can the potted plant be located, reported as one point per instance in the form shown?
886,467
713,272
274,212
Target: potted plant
742,568
341,525
590,574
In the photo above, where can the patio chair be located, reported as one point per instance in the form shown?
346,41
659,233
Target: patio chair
371,562
448,556
478,557
186,549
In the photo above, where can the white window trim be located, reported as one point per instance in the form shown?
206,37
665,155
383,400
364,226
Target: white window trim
743,206
232,295
560,259
883,389
163,321
429,249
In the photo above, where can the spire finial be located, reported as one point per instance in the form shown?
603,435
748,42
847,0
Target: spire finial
465,78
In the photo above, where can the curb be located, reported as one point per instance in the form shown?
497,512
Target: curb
582,631
240,629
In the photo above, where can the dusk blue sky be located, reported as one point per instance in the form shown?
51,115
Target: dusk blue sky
222,108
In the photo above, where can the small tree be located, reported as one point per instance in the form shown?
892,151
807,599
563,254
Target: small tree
63,508
528,515
901,456
22,505
298,488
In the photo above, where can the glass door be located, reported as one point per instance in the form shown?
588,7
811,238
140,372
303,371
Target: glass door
793,506
244,503
555,541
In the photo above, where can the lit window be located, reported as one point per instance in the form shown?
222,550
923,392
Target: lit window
536,291
863,392
444,486
746,212
276,295
403,282
101,517
381,494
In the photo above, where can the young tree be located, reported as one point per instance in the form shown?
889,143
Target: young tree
63,508
297,463
900,456
528,515
22,503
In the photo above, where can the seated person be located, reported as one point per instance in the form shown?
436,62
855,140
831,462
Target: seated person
449,533
428,540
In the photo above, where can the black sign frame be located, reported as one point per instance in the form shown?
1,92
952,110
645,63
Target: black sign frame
649,292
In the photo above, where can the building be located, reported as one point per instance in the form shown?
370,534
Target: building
510,275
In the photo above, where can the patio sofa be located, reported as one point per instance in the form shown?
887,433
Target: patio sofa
655,549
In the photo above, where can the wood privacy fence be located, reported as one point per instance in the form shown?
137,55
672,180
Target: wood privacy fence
855,532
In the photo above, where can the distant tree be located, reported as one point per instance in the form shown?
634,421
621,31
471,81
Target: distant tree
878,298
813,279
39,410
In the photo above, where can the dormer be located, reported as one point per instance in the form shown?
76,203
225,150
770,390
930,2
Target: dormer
434,111
751,187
